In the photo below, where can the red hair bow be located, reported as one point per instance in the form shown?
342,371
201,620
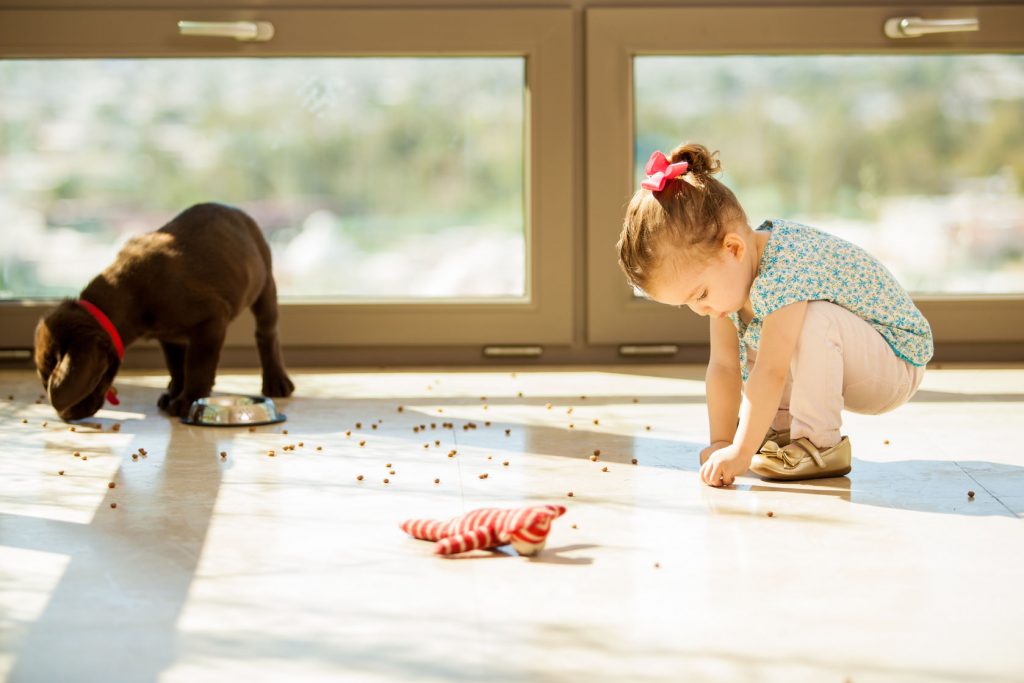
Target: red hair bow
659,171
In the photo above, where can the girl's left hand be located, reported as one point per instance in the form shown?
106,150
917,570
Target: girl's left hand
724,466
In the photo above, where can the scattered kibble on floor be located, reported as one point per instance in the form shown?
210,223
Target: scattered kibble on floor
771,514
111,485
437,481
508,432
604,469
135,456
593,458
483,476
284,431
570,494
359,477
60,472
970,494
386,480
634,461
505,463
113,505
886,442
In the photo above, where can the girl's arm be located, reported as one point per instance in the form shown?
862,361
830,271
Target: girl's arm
722,381
779,334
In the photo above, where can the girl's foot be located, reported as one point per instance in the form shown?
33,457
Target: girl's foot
801,459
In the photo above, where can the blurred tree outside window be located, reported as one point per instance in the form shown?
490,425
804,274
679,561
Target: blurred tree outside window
918,159
372,178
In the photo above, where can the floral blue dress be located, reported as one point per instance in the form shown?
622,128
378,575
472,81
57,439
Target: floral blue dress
800,263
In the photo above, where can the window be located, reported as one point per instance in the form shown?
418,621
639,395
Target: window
407,166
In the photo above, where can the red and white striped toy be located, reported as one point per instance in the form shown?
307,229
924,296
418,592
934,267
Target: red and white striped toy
525,528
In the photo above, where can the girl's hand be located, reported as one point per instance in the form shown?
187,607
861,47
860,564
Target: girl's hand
715,445
724,465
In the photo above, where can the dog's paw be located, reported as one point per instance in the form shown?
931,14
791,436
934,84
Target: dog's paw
278,386
179,407
165,400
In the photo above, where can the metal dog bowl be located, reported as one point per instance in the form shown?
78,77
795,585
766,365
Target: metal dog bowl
233,411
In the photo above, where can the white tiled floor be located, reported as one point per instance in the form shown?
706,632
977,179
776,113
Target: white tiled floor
262,568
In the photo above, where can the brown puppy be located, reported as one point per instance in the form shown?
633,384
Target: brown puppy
181,285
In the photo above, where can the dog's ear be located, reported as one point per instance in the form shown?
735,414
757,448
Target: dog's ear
76,375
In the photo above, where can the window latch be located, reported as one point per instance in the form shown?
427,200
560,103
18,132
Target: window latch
253,31
915,27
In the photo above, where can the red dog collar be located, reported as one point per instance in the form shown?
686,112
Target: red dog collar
105,323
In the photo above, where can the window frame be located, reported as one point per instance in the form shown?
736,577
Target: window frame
615,35
543,37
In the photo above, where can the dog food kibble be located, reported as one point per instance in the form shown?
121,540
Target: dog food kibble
573,526
452,453
426,445
111,485
113,505
85,457
570,494
597,451
362,443
519,394
348,433
359,477
548,406
25,422
488,457
487,423
569,411
359,425
391,471
636,400
483,476
284,431
437,481
117,427
77,454
70,429
401,409
223,455
970,494
593,458
373,426
572,426
319,448
386,480
135,456
142,452
505,463
597,422
437,444
302,444
604,469
657,565
44,423
634,461
886,442
647,427
60,472
270,453
508,432
771,514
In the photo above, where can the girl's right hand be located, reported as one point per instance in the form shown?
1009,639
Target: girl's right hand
706,453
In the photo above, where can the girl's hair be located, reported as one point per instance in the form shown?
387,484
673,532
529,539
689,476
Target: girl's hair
692,212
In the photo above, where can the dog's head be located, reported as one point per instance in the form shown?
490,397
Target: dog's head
76,360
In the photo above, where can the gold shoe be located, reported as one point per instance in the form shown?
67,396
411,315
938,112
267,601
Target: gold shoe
781,438
802,460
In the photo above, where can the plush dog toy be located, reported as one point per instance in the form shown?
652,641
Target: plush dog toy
180,285
525,528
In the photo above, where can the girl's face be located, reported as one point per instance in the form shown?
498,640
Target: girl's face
715,288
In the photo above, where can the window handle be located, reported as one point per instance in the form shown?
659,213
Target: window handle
258,31
915,27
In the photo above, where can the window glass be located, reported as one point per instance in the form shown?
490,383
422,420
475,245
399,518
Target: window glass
372,178
919,159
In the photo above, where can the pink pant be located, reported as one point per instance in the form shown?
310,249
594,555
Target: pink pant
840,361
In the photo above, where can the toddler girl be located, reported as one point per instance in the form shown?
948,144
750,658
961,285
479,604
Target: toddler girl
803,324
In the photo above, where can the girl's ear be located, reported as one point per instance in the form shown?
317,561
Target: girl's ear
734,245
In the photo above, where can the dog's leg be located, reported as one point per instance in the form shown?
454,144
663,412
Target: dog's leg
275,380
174,355
201,359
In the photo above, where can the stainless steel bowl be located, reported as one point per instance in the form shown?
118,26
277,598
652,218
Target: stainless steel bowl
233,411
